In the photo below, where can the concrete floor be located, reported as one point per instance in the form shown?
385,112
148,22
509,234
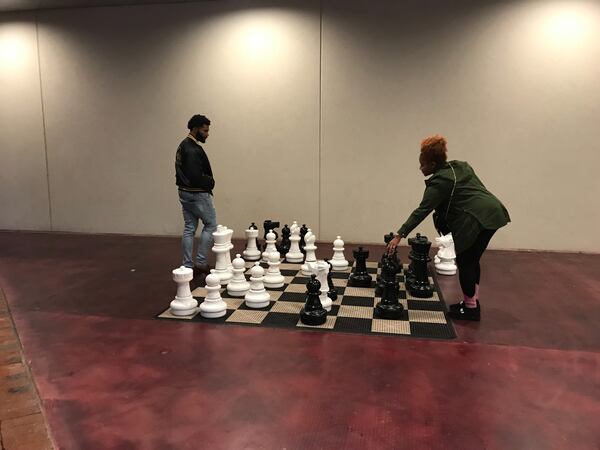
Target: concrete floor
110,377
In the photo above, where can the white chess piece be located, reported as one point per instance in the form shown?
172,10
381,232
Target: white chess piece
294,255
445,260
257,296
252,253
222,246
213,305
273,278
238,286
310,249
339,262
183,304
321,269
271,239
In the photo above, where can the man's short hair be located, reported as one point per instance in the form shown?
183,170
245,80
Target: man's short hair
198,120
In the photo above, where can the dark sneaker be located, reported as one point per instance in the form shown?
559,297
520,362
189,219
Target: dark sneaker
202,269
464,313
457,306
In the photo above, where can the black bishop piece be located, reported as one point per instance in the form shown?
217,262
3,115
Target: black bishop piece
303,231
313,312
359,276
284,246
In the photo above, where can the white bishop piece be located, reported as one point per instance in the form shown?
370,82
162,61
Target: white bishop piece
271,239
183,304
445,260
252,253
294,255
310,249
238,286
222,246
257,296
339,262
213,305
273,278
321,269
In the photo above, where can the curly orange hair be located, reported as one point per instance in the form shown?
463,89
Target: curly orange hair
433,149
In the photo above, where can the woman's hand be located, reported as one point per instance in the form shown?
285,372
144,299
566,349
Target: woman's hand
393,244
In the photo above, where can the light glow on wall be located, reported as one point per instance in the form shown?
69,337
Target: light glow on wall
568,25
12,50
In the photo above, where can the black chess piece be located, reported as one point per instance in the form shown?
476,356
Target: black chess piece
313,312
303,231
420,286
389,307
359,276
409,274
253,226
284,246
379,286
332,293
269,225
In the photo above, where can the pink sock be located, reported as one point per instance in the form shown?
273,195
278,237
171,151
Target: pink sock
476,291
470,302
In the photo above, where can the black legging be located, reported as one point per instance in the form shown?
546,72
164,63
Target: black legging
468,262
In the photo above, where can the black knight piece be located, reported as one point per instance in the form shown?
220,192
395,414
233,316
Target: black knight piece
360,277
313,312
389,307
332,293
303,231
419,286
284,246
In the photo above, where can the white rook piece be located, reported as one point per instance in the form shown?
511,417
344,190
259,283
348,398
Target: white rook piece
213,305
271,239
445,260
321,269
273,278
257,296
294,255
338,262
183,304
222,246
252,253
310,249
238,286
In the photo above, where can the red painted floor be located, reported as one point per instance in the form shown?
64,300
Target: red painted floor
110,377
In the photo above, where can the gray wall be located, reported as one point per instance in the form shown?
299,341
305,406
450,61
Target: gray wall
318,109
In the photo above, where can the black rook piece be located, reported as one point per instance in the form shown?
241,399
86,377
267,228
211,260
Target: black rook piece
360,277
419,286
313,312
332,293
303,231
285,244
389,307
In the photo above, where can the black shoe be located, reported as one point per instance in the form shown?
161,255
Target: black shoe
457,306
461,312
202,269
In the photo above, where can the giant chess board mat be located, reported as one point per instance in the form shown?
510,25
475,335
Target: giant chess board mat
352,312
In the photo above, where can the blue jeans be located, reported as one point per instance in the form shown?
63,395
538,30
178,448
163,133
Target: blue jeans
197,206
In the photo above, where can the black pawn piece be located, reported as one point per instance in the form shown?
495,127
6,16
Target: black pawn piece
389,307
419,286
331,293
303,231
253,226
313,312
379,283
360,277
285,244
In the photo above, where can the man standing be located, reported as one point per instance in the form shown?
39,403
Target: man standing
195,181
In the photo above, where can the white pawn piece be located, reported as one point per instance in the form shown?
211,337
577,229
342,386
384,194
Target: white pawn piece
339,262
321,269
271,239
310,249
294,255
213,305
252,253
273,278
222,246
445,260
183,304
257,296
238,286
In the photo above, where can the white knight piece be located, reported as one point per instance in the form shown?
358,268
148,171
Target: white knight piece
321,269
445,260
310,248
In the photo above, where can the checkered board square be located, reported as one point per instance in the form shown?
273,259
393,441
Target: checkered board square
353,311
